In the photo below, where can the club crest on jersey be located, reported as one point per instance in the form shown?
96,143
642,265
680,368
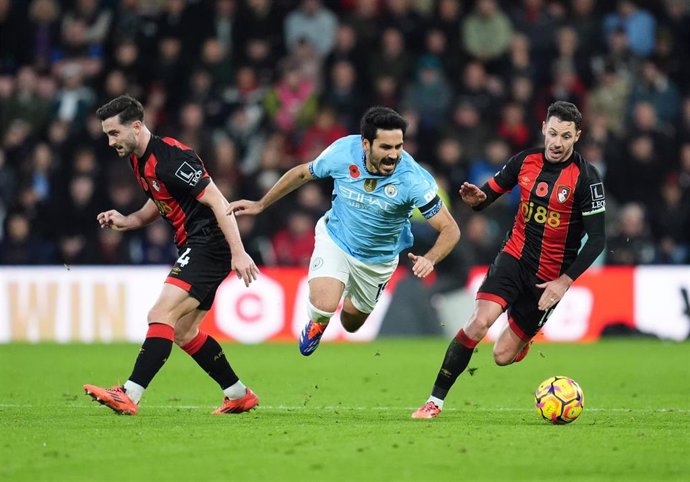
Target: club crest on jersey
563,193
391,190
154,183
370,185
542,189
354,171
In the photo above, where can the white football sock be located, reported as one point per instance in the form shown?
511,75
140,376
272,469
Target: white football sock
134,391
238,390
437,401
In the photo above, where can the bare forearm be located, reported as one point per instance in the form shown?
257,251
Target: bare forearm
448,237
143,217
290,181
213,199
228,225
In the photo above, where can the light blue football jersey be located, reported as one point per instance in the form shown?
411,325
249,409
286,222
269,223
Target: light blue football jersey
369,217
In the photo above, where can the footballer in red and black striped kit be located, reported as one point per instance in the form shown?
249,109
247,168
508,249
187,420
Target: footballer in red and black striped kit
181,191
561,199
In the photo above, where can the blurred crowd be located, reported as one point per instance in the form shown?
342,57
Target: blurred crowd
258,86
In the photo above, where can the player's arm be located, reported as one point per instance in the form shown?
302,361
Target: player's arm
291,180
595,227
591,201
448,237
502,182
114,220
242,263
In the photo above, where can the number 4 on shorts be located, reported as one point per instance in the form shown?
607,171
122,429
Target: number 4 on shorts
184,258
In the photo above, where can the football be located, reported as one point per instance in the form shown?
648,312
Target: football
559,400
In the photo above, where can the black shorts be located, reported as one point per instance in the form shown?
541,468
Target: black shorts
201,268
510,284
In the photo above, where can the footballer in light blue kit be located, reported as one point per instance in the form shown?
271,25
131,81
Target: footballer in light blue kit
363,202
377,185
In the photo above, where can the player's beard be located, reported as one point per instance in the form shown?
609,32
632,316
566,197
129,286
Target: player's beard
125,148
379,162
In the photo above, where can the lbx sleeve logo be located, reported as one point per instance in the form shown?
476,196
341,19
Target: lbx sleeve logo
188,174
597,191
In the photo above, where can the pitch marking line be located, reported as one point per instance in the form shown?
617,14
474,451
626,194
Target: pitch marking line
311,407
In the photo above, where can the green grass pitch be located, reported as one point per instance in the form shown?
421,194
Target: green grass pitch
344,414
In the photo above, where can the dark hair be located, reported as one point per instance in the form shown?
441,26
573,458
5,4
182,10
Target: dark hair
565,111
126,107
380,118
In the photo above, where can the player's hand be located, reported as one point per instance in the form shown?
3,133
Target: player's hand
471,194
244,206
422,267
113,219
244,267
553,292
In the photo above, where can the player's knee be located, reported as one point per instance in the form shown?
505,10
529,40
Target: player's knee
352,323
182,337
478,326
156,315
503,359
503,356
319,315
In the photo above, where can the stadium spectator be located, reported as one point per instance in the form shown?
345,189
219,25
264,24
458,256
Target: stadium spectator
429,94
638,24
487,32
670,224
313,22
631,244
294,243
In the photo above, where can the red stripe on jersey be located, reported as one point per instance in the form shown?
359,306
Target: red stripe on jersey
529,171
166,202
201,193
175,143
492,297
557,223
179,283
495,187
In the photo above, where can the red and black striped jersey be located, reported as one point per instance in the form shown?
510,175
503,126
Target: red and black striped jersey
548,228
174,177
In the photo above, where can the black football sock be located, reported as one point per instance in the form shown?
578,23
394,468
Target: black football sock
153,354
208,353
454,363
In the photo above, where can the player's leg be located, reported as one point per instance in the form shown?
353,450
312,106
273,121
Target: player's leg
524,322
351,317
328,276
172,304
500,289
324,296
458,355
365,287
209,355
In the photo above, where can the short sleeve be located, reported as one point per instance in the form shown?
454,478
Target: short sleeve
185,173
324,165
424,195
506,179
590,196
